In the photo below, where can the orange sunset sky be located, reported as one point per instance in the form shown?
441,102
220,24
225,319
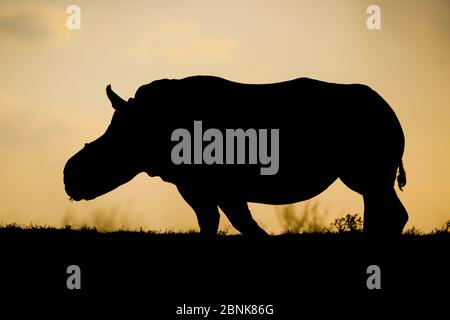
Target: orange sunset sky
52,91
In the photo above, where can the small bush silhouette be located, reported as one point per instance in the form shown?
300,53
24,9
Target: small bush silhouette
307,220
447,226
100,219
349,223
225,231
413,232
445,229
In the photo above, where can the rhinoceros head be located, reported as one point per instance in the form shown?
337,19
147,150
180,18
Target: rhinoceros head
109,161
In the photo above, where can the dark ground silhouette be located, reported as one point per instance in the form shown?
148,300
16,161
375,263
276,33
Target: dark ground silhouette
324,274
326,131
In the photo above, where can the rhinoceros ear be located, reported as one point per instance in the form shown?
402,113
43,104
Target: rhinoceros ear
116,101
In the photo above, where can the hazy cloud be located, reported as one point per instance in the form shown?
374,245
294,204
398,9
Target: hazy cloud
181,41
31,22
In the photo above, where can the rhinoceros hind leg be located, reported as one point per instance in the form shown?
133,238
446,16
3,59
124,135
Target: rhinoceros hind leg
384,214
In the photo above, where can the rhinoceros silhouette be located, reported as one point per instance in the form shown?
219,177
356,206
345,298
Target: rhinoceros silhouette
326,131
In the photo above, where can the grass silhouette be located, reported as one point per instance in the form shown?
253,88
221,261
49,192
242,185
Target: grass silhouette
294,225
170,268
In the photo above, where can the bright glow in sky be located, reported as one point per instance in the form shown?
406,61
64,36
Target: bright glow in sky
52,90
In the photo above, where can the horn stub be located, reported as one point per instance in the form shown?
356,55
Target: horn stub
116,101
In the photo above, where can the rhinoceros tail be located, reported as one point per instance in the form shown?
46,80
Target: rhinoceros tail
401,178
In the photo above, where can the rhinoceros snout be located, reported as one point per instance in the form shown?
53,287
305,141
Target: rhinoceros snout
72,181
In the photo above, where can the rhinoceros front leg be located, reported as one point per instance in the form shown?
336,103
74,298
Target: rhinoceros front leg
241,218
206,209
